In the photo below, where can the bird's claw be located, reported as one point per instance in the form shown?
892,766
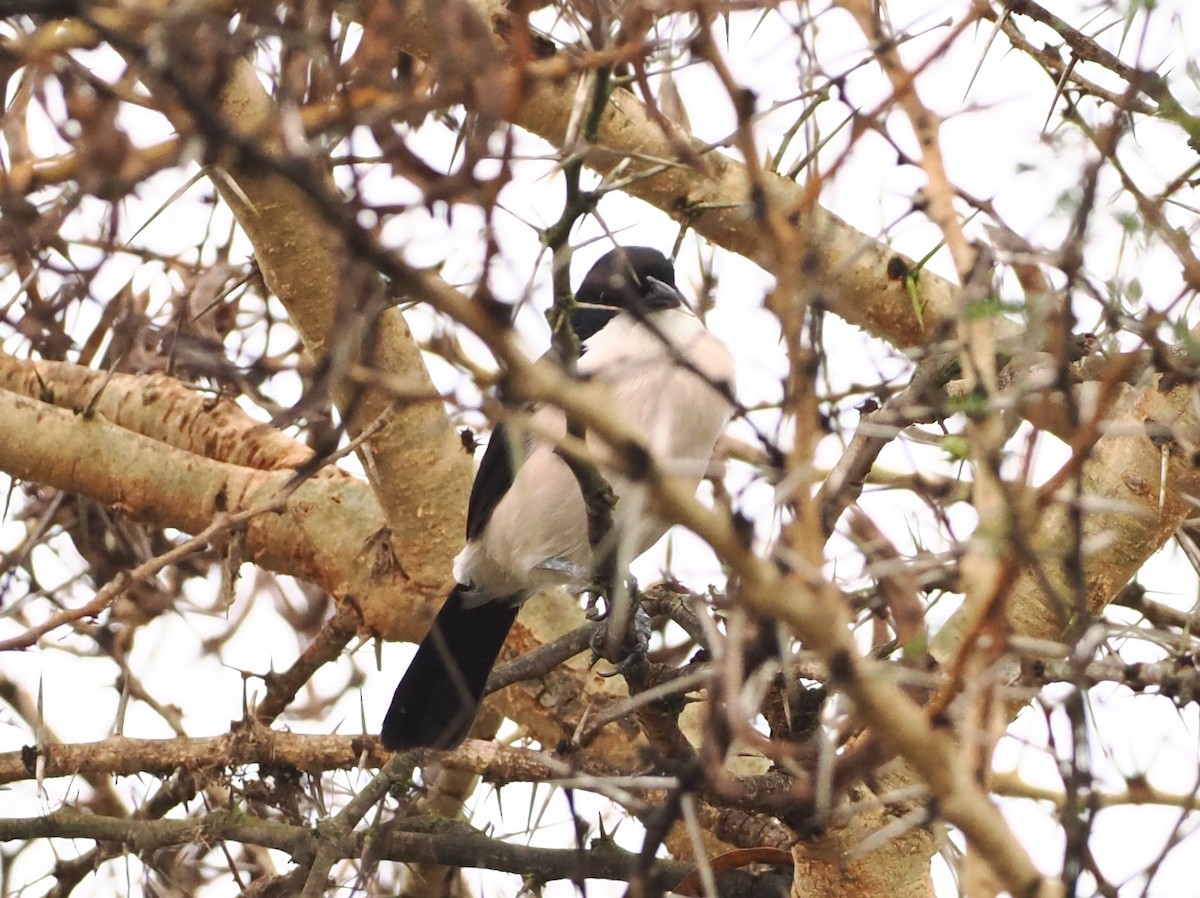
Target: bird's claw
635,647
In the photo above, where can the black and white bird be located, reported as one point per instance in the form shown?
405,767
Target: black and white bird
527,525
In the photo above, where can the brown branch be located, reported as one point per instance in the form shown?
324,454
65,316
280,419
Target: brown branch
1139,792
120,756
1176,679
498,764
1133,596
898,584
1057,67
326,647
453,847
844,483
1152,84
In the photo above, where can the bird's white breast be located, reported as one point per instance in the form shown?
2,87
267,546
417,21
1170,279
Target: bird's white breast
664,381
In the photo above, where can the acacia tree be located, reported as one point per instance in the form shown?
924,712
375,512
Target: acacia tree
265,264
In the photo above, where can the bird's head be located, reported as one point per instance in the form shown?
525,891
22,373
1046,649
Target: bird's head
636,280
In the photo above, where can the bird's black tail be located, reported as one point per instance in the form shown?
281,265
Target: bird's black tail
438,698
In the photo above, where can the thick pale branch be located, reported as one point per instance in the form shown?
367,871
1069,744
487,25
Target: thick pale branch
332,534
1123,523
162,408
416,462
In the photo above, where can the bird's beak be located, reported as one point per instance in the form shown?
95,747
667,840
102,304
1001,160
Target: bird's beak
661,295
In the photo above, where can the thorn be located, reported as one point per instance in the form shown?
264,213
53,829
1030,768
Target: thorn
986,47
1162,477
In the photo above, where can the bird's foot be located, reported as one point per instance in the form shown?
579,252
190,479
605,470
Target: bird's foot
632,650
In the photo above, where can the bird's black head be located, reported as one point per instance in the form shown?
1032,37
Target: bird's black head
634,279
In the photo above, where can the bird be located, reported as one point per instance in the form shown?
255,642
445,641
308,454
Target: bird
527,521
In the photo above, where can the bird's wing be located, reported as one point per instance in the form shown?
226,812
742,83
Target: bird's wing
492,480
